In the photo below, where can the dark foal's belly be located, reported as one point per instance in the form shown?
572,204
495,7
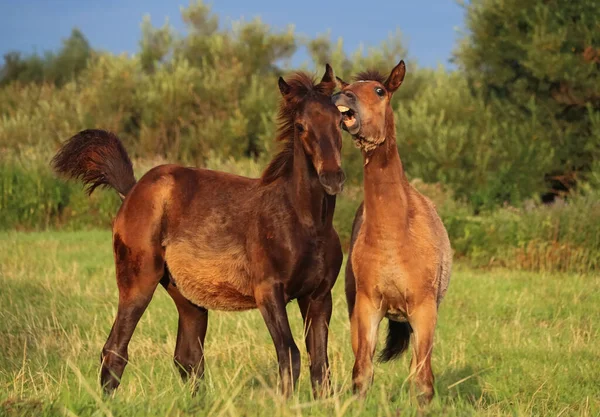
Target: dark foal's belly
213,280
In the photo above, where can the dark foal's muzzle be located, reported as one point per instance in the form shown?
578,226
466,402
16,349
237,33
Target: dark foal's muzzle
332,182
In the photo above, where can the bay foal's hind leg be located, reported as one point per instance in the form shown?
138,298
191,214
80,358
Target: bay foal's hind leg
271,303
317,314
137,278
422,320
364,324
189,350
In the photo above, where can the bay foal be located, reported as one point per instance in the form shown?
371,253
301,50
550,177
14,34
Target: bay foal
400,256
224,242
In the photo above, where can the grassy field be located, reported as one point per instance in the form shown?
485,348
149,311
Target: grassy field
508,343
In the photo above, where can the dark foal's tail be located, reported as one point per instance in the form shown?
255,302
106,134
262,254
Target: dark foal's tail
397,340
97,158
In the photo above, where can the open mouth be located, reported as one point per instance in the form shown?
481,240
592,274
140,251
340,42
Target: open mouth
348,116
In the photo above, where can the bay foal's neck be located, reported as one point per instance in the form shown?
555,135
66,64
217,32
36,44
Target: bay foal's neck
385,188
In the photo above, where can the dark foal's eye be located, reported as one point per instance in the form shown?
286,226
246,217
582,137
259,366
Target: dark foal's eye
380,91
299,128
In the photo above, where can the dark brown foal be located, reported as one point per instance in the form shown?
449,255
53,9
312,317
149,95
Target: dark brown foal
400,256
224,242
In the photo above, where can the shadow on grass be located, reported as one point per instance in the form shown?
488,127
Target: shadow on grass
462,384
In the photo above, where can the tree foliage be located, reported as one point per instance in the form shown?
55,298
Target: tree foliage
523,107
545,54
54,68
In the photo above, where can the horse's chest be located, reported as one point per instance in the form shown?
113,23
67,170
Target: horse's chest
382,267
307,272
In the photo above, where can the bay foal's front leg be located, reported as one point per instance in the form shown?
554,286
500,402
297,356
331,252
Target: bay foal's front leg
271,303
317,314
364,323
423,321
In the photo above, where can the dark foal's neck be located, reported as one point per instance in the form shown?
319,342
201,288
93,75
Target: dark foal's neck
313,206
385,186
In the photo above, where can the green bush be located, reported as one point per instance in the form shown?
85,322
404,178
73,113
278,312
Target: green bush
485,157
35,198
519,119
564,236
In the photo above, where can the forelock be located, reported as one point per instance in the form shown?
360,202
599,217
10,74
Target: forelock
370,75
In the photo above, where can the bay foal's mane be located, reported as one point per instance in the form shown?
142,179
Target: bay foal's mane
302,87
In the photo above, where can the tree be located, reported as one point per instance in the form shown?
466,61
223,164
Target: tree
70,60
519,52
155,45
17,68
56,68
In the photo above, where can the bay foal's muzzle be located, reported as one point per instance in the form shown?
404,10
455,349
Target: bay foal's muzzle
346,103
332,182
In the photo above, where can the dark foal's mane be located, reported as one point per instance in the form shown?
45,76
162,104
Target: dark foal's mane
303,87
370,75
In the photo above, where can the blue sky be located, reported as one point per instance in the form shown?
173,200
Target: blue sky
429,27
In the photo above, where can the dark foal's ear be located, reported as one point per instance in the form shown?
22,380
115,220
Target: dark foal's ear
341,83
327,84
284,87
396,77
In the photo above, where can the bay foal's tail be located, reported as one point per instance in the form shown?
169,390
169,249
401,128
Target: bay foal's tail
397,340
98,159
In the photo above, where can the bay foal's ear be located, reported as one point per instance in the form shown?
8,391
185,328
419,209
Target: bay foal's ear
284,87
341,83
396,77
327,84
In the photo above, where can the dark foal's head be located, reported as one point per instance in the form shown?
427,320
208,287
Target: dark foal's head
365,106
308,117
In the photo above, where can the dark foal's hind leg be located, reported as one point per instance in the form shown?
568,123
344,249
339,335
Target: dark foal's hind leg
316,314
189,350
137,278
271,303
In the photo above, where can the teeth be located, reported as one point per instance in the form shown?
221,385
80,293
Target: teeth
343,109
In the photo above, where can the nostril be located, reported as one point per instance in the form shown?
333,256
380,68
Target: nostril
350,95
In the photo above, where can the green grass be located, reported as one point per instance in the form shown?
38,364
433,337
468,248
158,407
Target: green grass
508,343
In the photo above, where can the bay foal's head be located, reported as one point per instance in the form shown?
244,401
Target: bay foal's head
309,119
366,106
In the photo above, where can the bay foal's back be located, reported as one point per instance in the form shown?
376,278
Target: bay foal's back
400,256
225,242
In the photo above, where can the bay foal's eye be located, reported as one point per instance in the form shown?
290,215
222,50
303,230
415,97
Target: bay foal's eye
299,128
380,91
